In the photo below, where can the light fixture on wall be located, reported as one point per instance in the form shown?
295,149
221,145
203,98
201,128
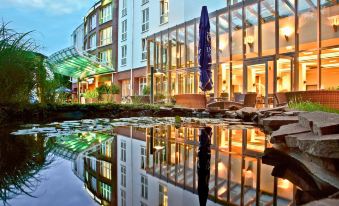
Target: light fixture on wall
286,31
334,21
249,40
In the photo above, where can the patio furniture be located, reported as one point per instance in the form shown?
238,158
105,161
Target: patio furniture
249,101
281,98
194,101
238,97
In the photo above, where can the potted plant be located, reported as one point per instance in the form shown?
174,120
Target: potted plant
103,91
91,95
114,89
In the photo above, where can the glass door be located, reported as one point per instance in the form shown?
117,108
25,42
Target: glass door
259,79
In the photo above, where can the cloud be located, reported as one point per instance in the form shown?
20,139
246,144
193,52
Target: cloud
56,7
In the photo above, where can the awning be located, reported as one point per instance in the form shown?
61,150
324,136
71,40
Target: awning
73,63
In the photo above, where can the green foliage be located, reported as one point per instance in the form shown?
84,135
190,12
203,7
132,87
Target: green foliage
91,94
114,89
311,107
23,74
103,89
146,90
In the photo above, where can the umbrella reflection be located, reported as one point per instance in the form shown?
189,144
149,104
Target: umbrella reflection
204,158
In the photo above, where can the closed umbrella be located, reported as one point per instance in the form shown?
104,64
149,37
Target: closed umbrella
205,57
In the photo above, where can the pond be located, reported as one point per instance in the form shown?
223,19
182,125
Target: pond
138,161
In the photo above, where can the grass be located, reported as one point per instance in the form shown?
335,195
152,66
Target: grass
311,107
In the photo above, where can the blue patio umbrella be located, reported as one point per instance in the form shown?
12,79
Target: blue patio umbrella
205,57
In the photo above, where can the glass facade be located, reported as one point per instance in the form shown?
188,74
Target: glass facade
263,46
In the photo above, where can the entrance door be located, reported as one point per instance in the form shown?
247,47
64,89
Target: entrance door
266,76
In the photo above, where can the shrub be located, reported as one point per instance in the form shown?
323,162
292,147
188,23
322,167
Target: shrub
114,89
311,107
146,90
91,94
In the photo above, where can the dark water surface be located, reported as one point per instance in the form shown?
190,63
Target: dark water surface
94,162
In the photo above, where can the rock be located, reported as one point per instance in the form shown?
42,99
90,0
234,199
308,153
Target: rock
292,139
281,108
279,135
321,123
230,114
326,146
246,113
323,202
273,123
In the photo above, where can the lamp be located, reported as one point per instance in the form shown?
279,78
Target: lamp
286,31
249,40
334,21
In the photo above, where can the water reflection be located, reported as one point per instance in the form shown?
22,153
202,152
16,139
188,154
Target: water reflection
159,166
204,158
22,159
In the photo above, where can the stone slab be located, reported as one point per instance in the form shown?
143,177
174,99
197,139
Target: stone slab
274,122
292,139
326,146
323,202
279,135
321,123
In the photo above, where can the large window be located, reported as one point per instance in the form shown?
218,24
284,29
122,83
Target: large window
123,197
93,22
124,8
106,170
93,41
123,151
123,176
143,149
163,196
144,2
94,183
106,149
106,14
163,11
124,30
145,20
106,191
106,36
144,187
124,55
106,56
144,49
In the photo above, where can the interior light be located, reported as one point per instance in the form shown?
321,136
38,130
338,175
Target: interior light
249,40
334,21
287,31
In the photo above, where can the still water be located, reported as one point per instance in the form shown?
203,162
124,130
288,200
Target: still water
139,162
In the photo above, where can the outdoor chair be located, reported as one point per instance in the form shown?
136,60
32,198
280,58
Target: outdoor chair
281,98
238,97
249,101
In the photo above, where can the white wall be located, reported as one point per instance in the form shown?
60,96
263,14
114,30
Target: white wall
179,12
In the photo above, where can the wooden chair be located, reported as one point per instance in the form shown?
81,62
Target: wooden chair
249,101
281,98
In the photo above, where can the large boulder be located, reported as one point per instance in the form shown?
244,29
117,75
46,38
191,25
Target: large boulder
246,113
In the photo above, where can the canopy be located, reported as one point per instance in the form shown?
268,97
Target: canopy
73,63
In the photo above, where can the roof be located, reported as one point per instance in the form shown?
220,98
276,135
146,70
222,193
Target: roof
73,63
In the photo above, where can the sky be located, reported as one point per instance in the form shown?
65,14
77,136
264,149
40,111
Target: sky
52,21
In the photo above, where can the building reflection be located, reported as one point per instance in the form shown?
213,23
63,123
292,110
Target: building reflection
158,166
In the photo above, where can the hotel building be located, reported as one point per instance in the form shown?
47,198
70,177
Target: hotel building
264,46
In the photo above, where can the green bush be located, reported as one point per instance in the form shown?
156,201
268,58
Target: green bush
146,90
311,107
91,94
114,89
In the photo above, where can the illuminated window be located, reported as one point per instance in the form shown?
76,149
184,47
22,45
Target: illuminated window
123,175
106,36
145,20
163,196
124,8
124,30
142,86
106,169
106,14
106,149
142,149
144,187
106,56
163,11
124,55
106,191
144,49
